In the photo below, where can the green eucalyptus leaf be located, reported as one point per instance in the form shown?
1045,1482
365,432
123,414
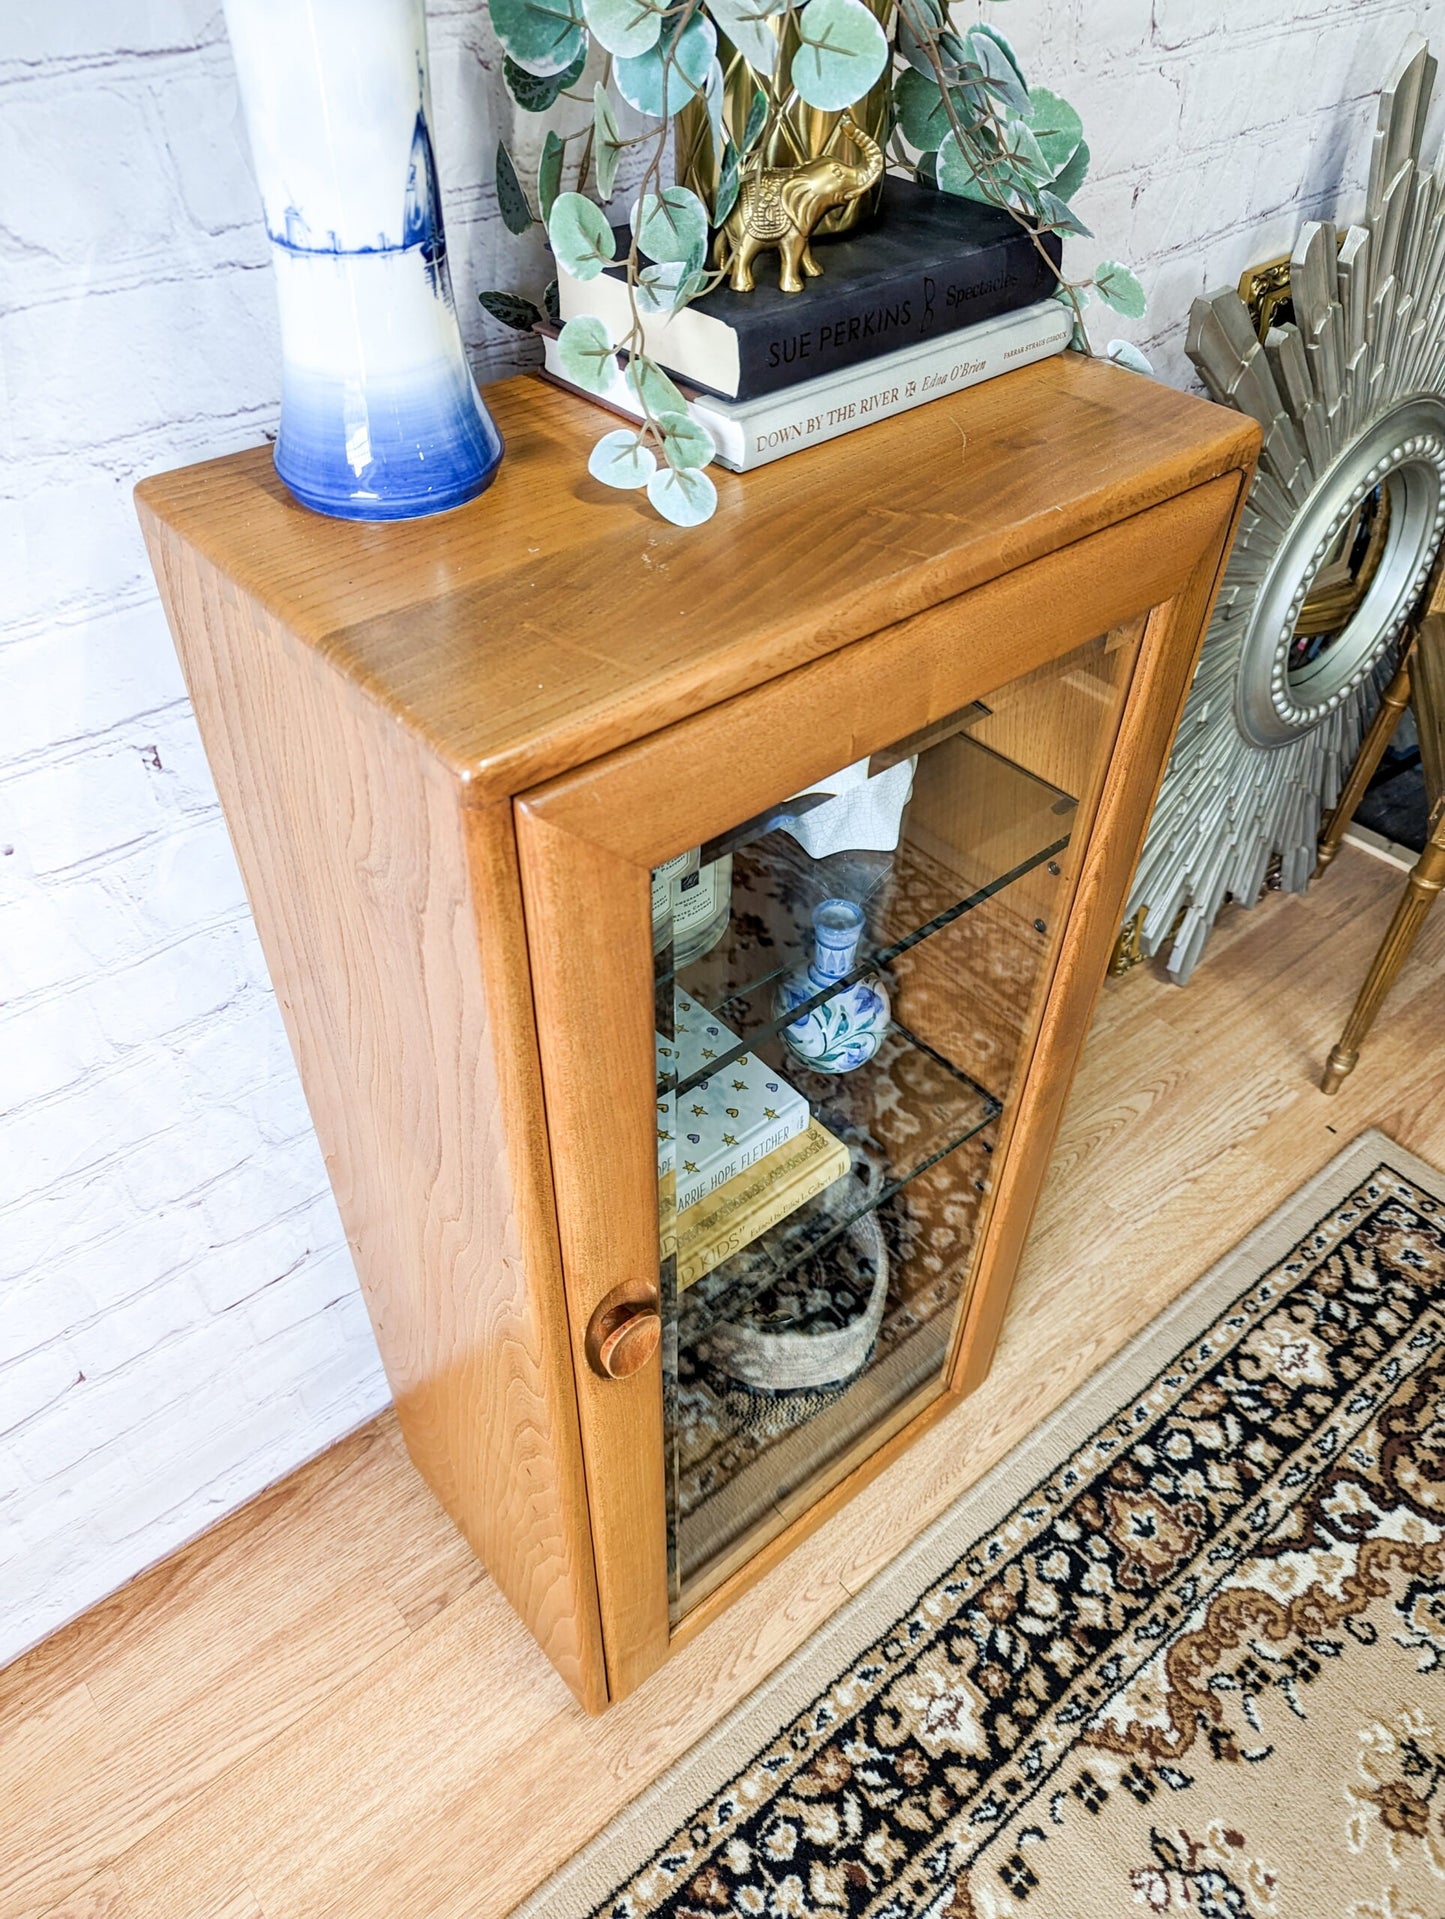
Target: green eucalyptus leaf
580,236
1057,214
728,181
606,141
624,27
551,304
956,176
670,225
1000,75
688,442
918,107
657,287
1056,126
1004,46
622,459
748,24
1075,173
512,310
661,81
1025,157
1117,287
920,22
922,112
926,172
843,51
511,200
549,174
652,386
684,495
585,354
1125,353
535,93
757,119
665,288
542,36
954,54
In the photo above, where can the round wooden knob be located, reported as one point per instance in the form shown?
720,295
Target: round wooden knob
629,1348
624,1332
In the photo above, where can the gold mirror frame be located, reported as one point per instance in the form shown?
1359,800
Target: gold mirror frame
1339,352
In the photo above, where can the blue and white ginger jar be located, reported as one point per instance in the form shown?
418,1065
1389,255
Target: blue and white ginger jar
846,1029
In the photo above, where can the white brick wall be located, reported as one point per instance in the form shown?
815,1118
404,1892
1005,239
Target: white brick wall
179,1323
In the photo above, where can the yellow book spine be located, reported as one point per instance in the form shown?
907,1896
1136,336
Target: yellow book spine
756,1200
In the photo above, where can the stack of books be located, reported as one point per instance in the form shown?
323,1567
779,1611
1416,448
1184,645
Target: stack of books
935,295
742,1143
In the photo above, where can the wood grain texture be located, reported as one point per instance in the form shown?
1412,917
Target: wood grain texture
553,620
375,894
444,1774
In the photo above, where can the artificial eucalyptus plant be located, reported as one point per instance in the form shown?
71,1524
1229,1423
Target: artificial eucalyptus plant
963,120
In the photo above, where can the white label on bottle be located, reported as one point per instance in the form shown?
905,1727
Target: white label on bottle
664,875
695,898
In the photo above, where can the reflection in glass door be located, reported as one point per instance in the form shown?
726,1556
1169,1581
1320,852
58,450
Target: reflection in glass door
847,990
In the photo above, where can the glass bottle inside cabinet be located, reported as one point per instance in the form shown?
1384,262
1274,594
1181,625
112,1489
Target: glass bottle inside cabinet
836,1066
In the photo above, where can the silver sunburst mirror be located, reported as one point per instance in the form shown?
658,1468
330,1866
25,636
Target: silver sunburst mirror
1337,539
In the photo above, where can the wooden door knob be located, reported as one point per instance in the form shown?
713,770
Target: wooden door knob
624,1332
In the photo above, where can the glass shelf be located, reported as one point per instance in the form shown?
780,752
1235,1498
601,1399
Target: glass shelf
833,1326
899,1115
1003,823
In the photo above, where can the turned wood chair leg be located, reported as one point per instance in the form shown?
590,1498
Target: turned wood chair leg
1425,883
1382,728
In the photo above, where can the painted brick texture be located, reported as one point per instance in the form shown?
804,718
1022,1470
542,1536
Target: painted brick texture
179,1321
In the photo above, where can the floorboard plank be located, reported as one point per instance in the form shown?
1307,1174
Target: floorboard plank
203,1661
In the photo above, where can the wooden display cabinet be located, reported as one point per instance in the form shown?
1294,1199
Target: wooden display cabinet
452,753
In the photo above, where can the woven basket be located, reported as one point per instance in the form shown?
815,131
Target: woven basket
771,1367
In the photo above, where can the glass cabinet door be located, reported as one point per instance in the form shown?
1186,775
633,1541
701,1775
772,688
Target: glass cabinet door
847,990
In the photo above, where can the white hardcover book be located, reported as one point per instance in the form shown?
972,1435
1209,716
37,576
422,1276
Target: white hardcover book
726,1122
749,433
688,336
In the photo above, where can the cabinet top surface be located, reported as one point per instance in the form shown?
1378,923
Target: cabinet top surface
554,619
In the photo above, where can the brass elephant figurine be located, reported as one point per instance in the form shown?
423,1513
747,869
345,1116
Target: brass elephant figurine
778,207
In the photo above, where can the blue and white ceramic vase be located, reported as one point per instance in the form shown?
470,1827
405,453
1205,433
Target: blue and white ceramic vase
845,1029
380,416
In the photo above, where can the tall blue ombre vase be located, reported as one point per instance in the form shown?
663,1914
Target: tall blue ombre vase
380,416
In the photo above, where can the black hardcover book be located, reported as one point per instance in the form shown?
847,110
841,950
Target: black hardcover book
927,264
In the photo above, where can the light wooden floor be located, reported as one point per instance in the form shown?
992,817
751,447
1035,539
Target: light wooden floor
323,1710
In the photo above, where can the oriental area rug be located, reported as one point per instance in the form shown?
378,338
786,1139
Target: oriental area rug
1181,1652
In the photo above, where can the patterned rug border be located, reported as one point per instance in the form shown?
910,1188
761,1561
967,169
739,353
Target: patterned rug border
625,1845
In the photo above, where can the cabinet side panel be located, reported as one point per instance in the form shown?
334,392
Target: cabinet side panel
391,924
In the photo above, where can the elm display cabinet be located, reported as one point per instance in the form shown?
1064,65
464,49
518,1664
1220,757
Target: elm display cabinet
452,755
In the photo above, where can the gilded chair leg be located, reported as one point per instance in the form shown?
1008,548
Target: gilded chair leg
1419,896
1372,751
